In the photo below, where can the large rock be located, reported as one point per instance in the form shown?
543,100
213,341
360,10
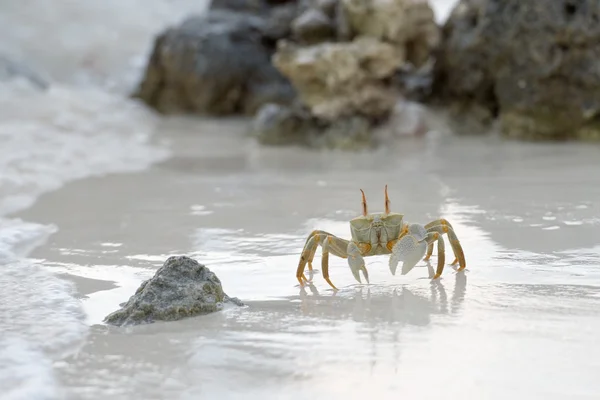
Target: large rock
533,63
409,24
336,80
215,64
181,288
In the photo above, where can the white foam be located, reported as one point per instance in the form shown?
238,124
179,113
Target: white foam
25,374
47,139
74,129
40,320
52,137
88,42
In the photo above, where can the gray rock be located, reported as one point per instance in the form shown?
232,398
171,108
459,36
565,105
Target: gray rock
181,288
329,7
350,133
277,16
312,26
215,64
277,125
256,7
532,63
279,22
414,83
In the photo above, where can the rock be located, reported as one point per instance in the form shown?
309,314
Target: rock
415,83
312,26
462,79
408,24
181,288
532,63
277,125
329,7
348,133
277,15
279,23
339,80
215,64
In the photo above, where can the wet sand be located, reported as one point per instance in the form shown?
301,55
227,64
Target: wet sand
521,322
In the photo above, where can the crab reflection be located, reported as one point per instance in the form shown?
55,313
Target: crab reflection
393,304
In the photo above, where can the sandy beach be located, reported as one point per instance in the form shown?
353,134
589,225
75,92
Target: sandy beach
96,192
520,322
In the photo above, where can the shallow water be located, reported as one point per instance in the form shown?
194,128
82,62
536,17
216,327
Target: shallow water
520,321
96,192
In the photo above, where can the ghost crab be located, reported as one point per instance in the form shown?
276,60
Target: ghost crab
381,234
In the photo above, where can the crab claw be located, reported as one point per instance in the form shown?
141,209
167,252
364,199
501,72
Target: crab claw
365,273
356,273
410,249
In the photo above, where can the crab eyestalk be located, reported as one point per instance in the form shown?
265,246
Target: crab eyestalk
387,201
364,204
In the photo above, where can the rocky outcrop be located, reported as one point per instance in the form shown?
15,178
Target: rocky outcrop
219,63
342,79
530,63
326,67
347,84
181,288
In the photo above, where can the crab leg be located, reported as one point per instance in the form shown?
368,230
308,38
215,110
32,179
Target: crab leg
431,225
441,252
337,247
329,244
319,240
443,226
308,252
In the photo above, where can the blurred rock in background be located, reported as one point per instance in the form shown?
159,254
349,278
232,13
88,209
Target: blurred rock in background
219,63
318,73
330,73
533,64
342,59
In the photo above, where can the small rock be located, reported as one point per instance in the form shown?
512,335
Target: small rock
181,288
327,6
349,133
277,16
279,22
415,83
276,125
312,26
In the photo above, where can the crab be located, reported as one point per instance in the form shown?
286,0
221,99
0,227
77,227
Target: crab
381,234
